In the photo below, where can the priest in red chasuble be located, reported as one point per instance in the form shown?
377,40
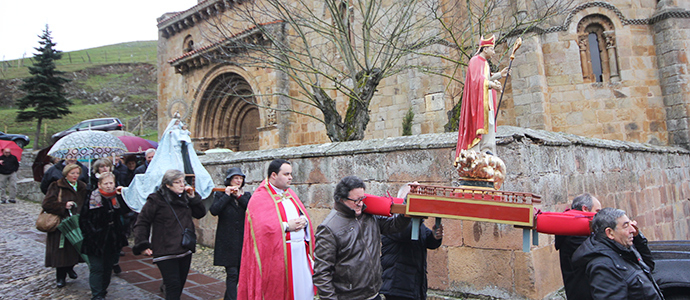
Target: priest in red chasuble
278,248
477,128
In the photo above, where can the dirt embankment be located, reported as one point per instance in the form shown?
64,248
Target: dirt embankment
131,88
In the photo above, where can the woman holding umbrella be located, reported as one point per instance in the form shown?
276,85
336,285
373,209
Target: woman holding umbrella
165,217
62,196
104,235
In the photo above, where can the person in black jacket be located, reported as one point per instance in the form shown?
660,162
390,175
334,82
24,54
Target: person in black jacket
230,207
404,260
126,176
616,259
103,232
149,157
160,226
55,173
8,175
576,287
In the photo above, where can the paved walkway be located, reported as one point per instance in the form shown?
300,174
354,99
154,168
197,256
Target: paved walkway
23,276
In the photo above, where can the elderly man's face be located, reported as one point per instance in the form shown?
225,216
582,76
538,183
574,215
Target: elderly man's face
623,233
6,152
596,206
149,156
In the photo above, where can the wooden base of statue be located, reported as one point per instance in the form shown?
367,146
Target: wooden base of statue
473,203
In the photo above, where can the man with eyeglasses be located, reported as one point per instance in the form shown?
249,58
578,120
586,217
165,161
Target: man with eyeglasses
347,258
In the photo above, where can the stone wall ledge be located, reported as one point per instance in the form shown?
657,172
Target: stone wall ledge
505,135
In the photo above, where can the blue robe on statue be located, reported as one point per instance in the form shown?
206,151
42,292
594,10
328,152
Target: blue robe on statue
168,156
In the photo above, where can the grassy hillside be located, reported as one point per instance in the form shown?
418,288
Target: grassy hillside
110,81
79,113
131,52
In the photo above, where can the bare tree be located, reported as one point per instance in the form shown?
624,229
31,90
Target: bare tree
326,49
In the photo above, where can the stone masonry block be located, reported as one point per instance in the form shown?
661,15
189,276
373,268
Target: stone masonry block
537,272
491,235
483,271
437,268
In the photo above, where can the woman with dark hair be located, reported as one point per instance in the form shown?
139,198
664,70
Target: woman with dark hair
64,195
164,218
101,225
230,207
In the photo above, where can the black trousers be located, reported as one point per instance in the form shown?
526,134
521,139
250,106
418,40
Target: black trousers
99,271
232,274
61,272
174,273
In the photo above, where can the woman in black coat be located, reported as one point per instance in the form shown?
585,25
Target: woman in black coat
104,234
166,215
230,207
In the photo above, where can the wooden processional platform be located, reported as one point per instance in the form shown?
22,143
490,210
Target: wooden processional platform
472,203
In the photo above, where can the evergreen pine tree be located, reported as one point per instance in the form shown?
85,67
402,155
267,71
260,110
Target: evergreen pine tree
45,97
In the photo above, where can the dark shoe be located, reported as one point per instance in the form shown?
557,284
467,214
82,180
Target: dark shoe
117,270
61,283
12,201
3,201
72,274
98,298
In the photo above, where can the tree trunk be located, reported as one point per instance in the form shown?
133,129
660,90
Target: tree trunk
357,115
38,134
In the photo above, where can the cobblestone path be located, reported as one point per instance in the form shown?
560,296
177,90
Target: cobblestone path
22,271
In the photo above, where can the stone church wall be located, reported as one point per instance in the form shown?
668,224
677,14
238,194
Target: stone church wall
646,101
649,182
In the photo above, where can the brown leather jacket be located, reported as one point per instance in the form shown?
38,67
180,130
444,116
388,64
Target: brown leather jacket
347,258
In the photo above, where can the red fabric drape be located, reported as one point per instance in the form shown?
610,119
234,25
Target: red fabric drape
474,111
265,268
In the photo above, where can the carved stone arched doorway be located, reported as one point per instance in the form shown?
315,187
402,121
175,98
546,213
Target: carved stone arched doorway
227,116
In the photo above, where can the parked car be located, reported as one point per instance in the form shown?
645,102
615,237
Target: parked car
672,262
102,124
19,139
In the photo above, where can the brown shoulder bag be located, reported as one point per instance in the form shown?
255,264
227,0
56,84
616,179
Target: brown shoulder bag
48,222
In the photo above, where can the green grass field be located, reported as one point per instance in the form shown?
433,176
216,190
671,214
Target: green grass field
131,52
49,127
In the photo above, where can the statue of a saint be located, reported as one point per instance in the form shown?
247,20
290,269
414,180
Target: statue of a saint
477,128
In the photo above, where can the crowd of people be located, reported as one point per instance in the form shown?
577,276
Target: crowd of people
270,249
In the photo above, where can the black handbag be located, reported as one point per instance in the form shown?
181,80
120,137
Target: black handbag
188,235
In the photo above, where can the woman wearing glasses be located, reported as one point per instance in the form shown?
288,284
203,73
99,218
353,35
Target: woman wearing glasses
230,207
165,216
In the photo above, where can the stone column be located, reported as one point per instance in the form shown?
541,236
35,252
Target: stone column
529,86
671,37
611,51
583,43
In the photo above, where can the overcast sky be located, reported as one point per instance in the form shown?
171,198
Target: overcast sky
79,24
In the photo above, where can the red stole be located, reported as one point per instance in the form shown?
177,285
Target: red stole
266,269
474,113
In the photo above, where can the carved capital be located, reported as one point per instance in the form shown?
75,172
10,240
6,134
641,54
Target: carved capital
583,42
610,37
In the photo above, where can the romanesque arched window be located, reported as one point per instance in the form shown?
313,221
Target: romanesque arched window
597,41
188,44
